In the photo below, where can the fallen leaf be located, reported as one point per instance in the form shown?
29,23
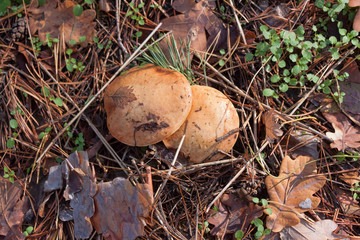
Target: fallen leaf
273,131
60,22
350,177
301,143
296,184
348,204
13,206
233,213
197,21
116,209
345,135
320,230
121,209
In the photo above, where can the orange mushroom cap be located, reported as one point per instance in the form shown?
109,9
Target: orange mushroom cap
212,116
147,104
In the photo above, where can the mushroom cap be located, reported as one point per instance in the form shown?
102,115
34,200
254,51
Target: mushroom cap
147,104
212,116
354,3
356,23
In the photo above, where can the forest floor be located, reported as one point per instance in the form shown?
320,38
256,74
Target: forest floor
290,69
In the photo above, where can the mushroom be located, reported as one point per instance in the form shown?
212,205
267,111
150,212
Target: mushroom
147,104
208,127
356,23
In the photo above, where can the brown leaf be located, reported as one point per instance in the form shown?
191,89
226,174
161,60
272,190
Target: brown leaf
301,144
320,230
183,5
121,209
13,206
234,213
350,177
345,135
60,22
348,204
292,191
192,25
273,131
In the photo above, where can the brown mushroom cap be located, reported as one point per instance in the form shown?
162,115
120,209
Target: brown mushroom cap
212,116
354,3
147,105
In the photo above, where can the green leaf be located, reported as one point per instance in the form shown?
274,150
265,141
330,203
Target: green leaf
293,57
141,5
296,70
221,63
141,22
268,92
82,38
263,28
264,202
268,211
89,1
42,135
78,10
13,124
6,175
10,143
69,51
249,56
275,78
29,229
258,222
255,200
46,91
70,67
282,64
267,231
239,234
58,102
342,31
222,51
48,129
138,34
332,40
72,42
4,4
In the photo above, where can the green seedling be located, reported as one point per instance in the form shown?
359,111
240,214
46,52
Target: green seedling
28,231
9,174
56,100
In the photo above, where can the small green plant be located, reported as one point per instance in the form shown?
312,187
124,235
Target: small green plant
50,41
37,44
80,142
10,143
28,231
45,133
71,63
239,234
135,13
258,222
356,191
222,62
204,226
260,230
56,100
9,174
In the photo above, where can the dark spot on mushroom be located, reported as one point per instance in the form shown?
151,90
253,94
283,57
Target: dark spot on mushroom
152,116
163,70
123,96
198,109
197,126
151,126
181,97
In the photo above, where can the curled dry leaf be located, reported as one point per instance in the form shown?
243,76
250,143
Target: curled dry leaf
350,177
296,184
320,230
59,21
301,143
121,209
273,131
233,213
13,206
345,135
115,208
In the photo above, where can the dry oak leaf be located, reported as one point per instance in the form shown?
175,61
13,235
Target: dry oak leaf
193,24
345,135
292,192
273,131
13,206
350,177
234,213
59,21
320,230
120,209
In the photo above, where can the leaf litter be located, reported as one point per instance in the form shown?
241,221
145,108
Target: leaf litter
116,209
297,182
